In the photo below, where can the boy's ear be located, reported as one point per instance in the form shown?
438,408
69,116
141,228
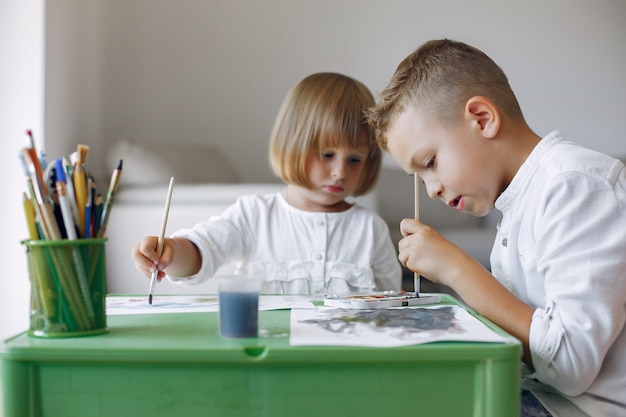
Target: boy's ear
484,113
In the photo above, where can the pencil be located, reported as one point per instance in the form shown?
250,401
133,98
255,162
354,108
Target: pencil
66,211
108,202
80,185
159,251
80,191
48,223
416,275
69,188
39,272
64,203
29,212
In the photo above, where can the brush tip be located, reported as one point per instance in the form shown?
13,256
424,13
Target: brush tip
150,298
82,151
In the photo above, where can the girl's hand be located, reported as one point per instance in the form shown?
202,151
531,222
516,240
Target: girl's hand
145,257
425,251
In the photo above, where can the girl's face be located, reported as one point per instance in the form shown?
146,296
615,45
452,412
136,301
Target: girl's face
458,165
334,174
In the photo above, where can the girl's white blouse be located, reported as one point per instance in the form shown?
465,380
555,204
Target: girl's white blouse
296,251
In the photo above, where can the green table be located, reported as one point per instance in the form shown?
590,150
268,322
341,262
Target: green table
177,365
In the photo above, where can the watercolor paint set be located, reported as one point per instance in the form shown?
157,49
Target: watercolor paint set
385,299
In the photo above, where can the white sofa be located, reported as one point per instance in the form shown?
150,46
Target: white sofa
200,193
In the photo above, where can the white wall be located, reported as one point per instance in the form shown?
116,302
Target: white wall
216,71
21,108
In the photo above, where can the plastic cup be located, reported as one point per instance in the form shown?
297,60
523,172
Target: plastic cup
68,287
239,306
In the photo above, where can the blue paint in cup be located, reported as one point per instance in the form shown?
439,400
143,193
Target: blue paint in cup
239,307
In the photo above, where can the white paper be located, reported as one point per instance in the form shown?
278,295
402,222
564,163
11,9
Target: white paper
328,326
137,304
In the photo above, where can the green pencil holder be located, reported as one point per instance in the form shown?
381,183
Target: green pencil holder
68,287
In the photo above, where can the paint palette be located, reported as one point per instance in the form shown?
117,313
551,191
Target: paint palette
385,299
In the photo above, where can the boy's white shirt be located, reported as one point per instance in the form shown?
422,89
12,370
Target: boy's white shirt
561,247
267,235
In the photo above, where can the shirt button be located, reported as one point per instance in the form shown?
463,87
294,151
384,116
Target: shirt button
320,223
504,242
319,257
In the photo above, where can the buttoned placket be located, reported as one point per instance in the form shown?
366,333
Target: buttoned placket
504,253
318,255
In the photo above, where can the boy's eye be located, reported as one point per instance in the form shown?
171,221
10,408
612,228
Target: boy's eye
430,163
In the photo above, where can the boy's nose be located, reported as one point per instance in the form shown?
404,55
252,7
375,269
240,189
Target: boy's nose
434,189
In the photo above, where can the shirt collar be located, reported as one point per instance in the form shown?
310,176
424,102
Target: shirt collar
525,172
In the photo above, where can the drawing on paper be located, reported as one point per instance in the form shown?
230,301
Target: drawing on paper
405,321
161,304
387,327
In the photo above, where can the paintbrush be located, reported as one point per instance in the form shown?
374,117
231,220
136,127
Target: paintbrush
108,203
48,224
416,275
159,250
34,159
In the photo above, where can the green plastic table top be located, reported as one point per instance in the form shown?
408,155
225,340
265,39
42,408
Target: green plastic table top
177,364
193,337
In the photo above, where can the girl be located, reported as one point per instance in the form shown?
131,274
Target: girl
306,239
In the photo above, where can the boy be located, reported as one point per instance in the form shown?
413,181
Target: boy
558,280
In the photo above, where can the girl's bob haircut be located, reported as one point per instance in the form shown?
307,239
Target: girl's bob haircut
323,110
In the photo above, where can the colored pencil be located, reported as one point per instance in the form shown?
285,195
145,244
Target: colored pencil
66,210
80,278
80,190
29,212
69,187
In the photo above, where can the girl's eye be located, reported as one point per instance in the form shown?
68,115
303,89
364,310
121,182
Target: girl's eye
327,155
354,161
430,163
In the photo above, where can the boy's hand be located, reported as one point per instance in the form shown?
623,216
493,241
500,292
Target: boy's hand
145,257
425,251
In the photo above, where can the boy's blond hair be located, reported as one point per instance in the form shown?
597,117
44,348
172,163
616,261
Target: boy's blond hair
323,110
438,78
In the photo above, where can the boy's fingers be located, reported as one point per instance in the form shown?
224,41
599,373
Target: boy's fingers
409,226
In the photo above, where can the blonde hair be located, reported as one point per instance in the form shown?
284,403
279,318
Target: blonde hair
439,77
323,110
